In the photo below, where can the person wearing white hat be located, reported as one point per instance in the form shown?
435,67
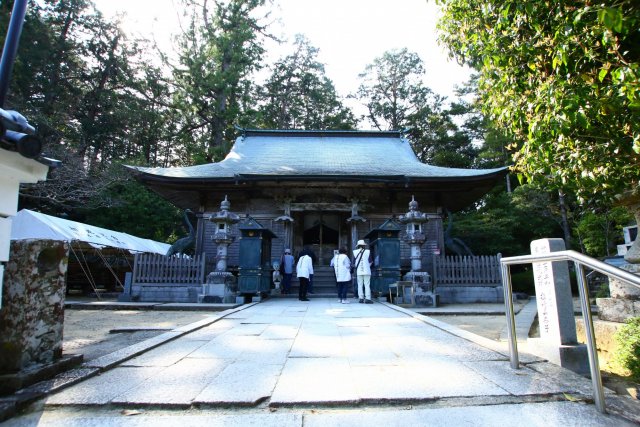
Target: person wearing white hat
362,267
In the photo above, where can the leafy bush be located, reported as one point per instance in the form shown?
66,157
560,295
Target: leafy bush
628,353
523,281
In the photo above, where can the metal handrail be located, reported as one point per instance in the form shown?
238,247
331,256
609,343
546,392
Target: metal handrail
580,261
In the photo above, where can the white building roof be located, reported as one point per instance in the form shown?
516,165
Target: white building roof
34,225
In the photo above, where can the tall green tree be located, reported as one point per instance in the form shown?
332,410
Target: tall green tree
93,98
393,92
218,52
396,98
563,78
299,95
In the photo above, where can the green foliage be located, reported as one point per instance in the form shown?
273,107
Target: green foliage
628,352
564,79
218,53
298,94
91,95
522,280
135,210
396,98
599,232
603,291
507,223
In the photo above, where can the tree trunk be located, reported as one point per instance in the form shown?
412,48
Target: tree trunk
565,220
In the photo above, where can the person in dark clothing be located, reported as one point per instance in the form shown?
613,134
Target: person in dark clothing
286,268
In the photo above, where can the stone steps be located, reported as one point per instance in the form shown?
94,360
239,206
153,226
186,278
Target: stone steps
324,283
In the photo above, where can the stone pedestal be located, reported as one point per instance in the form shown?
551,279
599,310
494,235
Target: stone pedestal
423,292
32,316
220,287
558,341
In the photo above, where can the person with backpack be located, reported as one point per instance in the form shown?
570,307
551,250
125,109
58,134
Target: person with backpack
362,262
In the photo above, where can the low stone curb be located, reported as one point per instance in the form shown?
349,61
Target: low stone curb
524,319
117,305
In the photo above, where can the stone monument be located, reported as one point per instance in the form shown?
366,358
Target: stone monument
558,341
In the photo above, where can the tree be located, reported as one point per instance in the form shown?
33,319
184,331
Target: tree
93,99
135,210
218,52
396,98
298,94
563,78
496,225
600,231
393,92
68,187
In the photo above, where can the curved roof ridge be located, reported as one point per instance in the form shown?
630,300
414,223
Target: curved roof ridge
295,153
321,132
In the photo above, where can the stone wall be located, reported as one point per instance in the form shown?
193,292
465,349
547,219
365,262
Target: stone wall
32,314
165,292
470,294
605,342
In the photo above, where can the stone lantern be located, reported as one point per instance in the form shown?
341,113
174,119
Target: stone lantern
221,283
223,220
415,237
353,221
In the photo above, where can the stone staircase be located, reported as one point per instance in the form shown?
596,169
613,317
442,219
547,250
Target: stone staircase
324,284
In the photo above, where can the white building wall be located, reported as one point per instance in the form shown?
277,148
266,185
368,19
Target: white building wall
14,170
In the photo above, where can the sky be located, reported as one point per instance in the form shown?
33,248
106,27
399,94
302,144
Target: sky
349,33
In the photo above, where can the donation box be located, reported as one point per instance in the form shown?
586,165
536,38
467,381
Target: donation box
254,268
384,242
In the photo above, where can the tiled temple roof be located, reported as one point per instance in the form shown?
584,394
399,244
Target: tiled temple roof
316,154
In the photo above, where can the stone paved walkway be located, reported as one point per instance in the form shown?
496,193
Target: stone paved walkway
285,362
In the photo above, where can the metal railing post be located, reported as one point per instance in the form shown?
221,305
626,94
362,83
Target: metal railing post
511,318
580,261
596,379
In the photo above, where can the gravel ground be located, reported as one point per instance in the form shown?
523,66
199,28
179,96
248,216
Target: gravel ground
88,331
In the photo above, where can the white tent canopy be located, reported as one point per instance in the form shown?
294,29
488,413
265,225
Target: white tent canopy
34,225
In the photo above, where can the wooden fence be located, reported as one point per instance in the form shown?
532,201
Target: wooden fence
158,269
458,270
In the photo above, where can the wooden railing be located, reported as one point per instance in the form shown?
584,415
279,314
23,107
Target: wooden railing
155,268
458,270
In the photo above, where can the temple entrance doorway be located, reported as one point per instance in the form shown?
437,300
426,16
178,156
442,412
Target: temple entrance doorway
322,234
